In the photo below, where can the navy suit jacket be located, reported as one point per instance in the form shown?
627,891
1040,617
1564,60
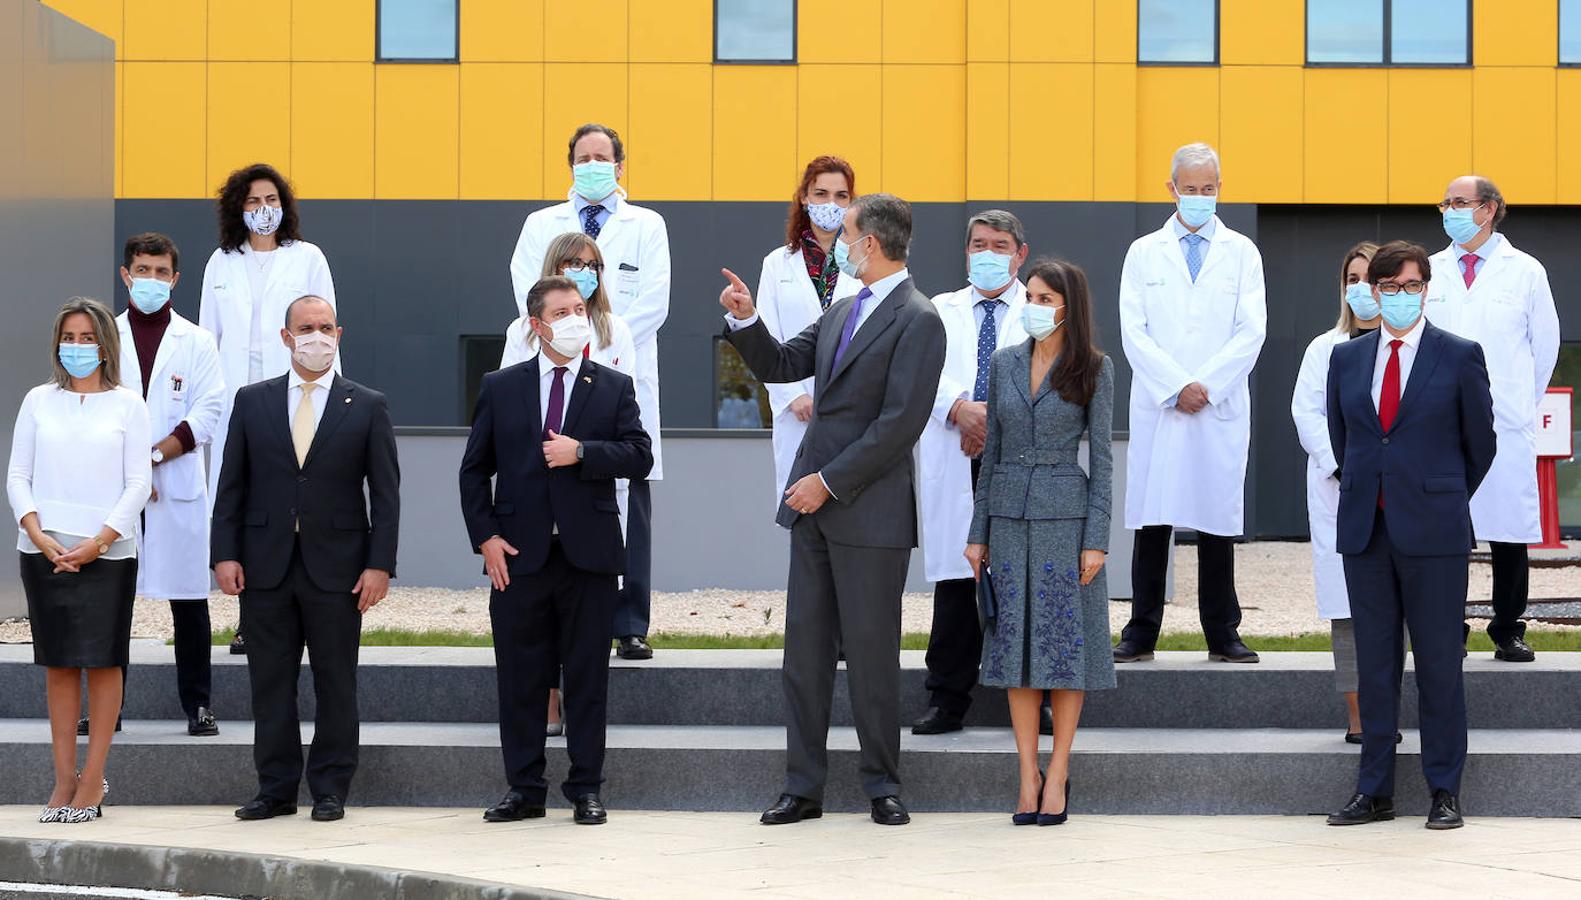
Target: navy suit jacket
528,499
1431,460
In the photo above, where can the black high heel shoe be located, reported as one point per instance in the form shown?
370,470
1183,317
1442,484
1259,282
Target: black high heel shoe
1059,817
1028,818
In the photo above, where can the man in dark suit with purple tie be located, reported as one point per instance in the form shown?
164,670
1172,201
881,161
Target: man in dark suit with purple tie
1410,415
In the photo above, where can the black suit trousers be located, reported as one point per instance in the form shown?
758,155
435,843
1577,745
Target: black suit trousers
556,620
279,623
955,643
1510,589
1218,607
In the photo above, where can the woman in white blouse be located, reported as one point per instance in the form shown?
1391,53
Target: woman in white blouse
79,477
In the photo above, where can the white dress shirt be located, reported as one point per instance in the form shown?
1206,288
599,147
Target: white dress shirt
320,397
1409,342
546,376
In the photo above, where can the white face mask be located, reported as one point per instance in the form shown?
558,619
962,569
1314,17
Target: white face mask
263,221
314,352
571,335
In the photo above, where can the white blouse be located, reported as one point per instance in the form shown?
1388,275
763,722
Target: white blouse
81,461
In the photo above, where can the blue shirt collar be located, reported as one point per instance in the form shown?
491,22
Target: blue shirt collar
1488,248
610,203
1205,232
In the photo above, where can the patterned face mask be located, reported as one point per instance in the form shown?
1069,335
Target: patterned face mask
263,221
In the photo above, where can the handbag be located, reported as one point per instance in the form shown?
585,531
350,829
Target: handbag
987,600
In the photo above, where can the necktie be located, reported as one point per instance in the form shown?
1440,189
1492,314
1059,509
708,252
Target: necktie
987,343
1194,244
1389,396
1469,264
303,424
551,419
850,325
590,226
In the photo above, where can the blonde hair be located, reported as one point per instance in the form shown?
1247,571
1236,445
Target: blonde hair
576,245
1347,319
105,334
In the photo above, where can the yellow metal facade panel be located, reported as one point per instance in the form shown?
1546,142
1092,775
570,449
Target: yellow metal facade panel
332,30
1568,103
821,130
1508,143
751,102
988,30
672,31
1515,33
1051,131
416,133
1260,124
240,132
839,31
1346,155
1174,106
502,143
164,30
672,112
585,30
989,130
1053,30
103,16
164,151
924,141
1114,31
1262,32
1433,147
332,153
250,30
573,95
1114,132
501,31
120,133
925,31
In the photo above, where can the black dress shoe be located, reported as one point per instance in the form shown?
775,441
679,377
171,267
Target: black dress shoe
1045,720
204,724
791,808
890,811
329,809
1363,809
633,646
1445,813
590,810
82,726
1132,651
238,645
936,721
1513,649
1234,652
1354,737
264,808
513,807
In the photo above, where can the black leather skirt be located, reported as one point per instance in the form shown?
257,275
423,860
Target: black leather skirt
80,619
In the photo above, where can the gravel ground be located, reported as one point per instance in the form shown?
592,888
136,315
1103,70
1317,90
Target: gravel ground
1274,580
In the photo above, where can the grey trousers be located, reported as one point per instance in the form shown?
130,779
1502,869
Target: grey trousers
842,596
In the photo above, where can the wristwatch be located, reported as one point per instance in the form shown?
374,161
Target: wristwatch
579,449
158,456
103,548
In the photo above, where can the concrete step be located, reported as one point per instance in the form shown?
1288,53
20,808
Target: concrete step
743,687
1114,771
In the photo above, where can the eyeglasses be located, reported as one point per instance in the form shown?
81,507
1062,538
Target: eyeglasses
1460,203
1390,288
574,263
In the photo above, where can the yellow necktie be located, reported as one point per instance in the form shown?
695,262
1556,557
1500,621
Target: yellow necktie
302,425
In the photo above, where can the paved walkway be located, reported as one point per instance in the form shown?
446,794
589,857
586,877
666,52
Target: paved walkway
655,855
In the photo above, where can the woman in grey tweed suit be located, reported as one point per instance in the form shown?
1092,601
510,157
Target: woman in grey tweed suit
1041,525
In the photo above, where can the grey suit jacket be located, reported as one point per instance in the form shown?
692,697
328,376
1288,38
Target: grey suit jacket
867,412
1029,459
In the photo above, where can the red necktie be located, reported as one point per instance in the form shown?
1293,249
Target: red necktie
1389,397
1469,263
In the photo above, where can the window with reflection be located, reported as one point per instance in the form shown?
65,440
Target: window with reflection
418,31
755,31
1177,31
1389,32
740,400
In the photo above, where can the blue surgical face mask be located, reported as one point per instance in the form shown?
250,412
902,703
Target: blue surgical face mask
1197,209
1402,310
79,360
1460,226
586,280
1039,321
1359,296
149,295
987,270
826,216
842,258
593,180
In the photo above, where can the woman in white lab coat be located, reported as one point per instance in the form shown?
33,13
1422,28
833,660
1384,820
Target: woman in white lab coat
577,257
798,283
1358,314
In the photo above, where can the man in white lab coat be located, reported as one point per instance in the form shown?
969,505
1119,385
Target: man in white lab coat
1499,297
636,248
175,365
1192,320
978,319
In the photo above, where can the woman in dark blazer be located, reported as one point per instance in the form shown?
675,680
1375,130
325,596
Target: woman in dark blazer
1041,524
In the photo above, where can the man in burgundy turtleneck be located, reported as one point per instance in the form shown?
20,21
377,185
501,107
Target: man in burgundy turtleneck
148,330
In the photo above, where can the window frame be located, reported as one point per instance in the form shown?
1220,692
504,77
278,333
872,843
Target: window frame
1218,30
795,53
1559,37
1388,45
378,43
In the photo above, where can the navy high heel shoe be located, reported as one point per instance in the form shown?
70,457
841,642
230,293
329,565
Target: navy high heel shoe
1028,818
1059,817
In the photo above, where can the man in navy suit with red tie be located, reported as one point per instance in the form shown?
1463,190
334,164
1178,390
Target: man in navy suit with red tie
556,430
1410,415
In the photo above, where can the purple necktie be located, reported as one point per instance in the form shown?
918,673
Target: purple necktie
850,325
551,421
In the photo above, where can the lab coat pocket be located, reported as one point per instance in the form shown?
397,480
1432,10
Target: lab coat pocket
181,478
627,282
1232,406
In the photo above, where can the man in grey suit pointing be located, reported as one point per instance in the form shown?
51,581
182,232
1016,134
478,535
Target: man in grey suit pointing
850,504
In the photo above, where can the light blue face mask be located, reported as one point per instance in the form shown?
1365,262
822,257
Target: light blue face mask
1039,321
1460,226
1402,310
987,270
1359,296
593,180
586,280
842,258
79,360
149,295
1197,209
